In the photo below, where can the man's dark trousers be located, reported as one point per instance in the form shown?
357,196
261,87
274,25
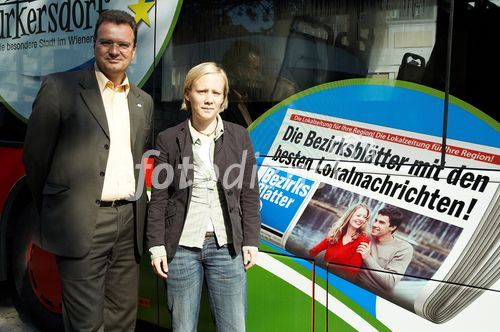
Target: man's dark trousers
108,274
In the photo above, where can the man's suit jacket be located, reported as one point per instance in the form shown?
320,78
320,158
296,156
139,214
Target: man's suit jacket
168,206
65,155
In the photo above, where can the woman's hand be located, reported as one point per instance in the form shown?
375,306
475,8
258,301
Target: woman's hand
249,257
160,266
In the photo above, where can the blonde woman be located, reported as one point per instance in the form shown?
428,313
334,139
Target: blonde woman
204,225
343,239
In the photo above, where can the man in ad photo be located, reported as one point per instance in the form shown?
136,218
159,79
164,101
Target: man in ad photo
385,253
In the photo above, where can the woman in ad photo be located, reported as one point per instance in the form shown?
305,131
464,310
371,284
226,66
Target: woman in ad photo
343,239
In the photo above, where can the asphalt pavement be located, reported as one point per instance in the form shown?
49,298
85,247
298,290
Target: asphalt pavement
15,319
12,320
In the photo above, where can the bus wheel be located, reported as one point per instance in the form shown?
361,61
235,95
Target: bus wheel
35,275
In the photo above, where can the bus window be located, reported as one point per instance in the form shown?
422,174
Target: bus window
274,49
307,57
474,68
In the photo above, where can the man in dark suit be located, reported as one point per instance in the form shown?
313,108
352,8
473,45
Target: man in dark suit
87,131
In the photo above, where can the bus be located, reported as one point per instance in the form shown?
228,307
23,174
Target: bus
280,56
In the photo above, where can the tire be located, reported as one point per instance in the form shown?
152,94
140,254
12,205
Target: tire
35,275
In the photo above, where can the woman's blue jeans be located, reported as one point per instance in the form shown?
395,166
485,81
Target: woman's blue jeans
225,276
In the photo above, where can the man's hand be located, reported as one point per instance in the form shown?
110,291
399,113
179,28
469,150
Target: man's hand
160,266
364,250
249,258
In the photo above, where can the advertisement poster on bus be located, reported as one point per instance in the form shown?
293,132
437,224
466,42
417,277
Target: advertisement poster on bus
369,142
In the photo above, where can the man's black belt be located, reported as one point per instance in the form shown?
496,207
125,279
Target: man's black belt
116,203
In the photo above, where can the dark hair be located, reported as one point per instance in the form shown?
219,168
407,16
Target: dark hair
395,215
117,17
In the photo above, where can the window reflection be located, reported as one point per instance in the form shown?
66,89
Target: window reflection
273,49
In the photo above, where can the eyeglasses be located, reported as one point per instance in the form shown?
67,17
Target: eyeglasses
108,44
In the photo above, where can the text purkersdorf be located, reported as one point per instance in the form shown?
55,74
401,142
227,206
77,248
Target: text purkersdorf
20,18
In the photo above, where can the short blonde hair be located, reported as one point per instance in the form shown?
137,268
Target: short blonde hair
198,71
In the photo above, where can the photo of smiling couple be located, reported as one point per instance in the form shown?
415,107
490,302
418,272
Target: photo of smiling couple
375,259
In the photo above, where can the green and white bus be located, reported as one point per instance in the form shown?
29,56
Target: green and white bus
419,75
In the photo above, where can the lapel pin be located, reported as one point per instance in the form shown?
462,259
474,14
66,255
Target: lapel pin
139,105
